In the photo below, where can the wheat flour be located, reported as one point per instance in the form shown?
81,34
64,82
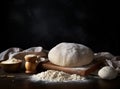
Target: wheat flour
55,76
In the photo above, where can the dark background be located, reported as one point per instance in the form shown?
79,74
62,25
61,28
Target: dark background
28,23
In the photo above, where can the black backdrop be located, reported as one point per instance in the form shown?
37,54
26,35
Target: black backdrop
28,23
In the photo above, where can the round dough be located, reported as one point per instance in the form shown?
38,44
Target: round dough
70,54
107,72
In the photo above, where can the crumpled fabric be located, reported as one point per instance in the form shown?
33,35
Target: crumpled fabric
19,53
109,60
7,53
114,62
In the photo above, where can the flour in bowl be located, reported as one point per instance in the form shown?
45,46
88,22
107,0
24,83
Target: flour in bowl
55,76
11,61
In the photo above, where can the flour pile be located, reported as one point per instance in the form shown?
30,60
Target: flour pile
55,76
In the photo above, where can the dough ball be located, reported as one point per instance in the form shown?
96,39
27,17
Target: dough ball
107,72
70,54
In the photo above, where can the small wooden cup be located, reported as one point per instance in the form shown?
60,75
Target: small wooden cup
30,63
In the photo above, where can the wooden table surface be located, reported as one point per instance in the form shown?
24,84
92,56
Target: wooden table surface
21,81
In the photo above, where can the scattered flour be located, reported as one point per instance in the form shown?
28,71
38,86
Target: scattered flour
55,76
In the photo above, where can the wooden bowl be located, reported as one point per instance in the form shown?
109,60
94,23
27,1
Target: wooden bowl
11,67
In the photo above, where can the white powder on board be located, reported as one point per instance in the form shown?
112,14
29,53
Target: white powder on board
55,76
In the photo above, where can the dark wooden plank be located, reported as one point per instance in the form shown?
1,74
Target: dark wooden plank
83,71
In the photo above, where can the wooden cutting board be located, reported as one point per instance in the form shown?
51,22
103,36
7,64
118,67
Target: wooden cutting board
83,71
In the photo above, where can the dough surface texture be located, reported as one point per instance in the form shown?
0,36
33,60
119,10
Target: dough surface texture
70,55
